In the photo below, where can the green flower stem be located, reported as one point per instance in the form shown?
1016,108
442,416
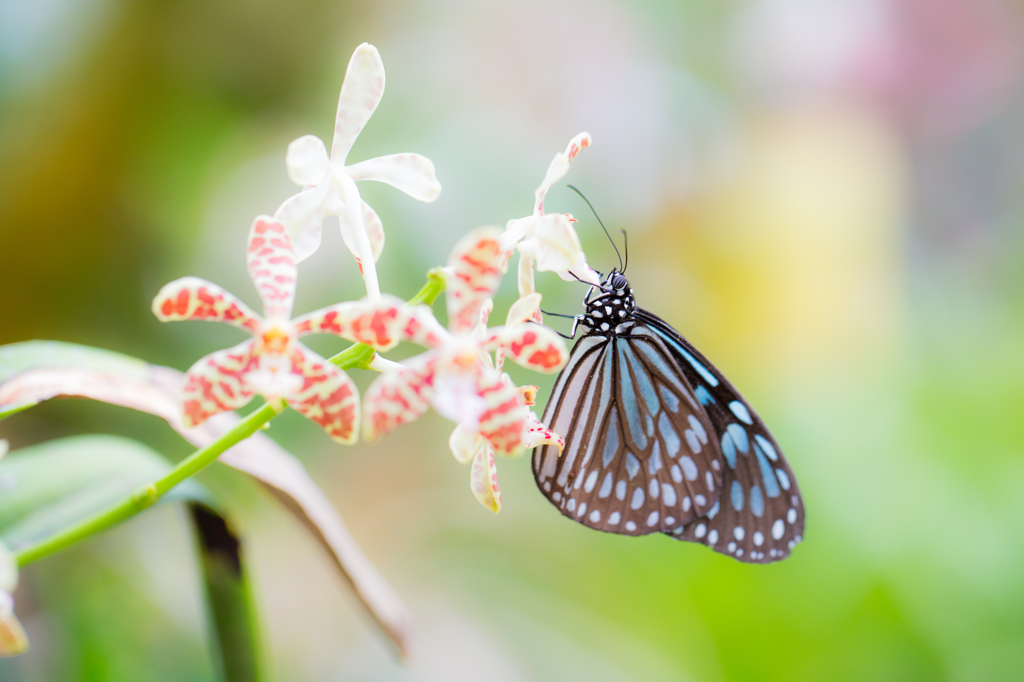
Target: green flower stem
357,355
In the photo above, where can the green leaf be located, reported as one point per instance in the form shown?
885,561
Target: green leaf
50,486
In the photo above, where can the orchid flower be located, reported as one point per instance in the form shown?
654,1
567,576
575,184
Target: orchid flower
12,636
329,185
548,242
457,376
273,363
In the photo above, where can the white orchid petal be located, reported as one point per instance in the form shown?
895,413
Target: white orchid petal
360,239
374,231
303,216
360,94
307,161
411,173
555,246
525,309
558,168
465,443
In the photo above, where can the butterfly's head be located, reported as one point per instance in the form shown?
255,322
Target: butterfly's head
617,281
613,306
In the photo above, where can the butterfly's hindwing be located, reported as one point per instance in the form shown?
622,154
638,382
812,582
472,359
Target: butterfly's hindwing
760,514
638,457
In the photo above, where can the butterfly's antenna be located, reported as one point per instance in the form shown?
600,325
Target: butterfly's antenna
557,314
625,247
600,223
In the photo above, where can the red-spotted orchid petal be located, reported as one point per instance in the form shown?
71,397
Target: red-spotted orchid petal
502,422
483,479
271,262
218,383
537,434
465,443
532,346
399,397
376,323
473,277
422,328
330,184
412,173
192,298
557,169
526,308
325,395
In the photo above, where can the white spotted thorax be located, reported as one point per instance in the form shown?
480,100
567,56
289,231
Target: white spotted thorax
605,313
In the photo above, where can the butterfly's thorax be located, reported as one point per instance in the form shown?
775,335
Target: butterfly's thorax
608,312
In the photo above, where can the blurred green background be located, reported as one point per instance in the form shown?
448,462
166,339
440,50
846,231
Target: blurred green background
824,195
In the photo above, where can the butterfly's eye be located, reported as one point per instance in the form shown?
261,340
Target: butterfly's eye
617,281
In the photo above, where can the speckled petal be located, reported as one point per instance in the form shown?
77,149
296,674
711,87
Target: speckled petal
271,261
422,328
537,434
327,396
503,419
376,323
525,309
483,480
191,298
217,383
412,173
558,168
360,94
374,232
531,345
475,275
465,443
399,397
307,161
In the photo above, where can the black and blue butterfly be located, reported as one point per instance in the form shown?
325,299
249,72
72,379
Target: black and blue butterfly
658,440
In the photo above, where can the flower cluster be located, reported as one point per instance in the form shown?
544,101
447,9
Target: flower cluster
460,375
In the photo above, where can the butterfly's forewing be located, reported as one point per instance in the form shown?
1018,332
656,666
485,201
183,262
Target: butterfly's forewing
759,517
637,458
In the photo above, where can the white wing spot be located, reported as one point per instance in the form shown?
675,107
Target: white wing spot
606,486
613,520
698,429
654,488
758,538
710,480
582,510
731,547
712,537
604,326
595,516
677,474
686,503
668,495
738,532
638,499
579,479
547,486
670,520
699,499
572,504
557,497
778,528
700,530
620,490
630,526
689,468
692,441
791,516
715,465
652,519
591,481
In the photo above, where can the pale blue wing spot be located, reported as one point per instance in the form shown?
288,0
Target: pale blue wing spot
654,488
654,461
638,499
668,373
668,495
736,496
698,429
689,468
643,379
729,449
669,435
783,478
771,485
701,369
677,473
629,404
767,446
703,396
611,443
739,437
671,401
712,513
620,490
606,378
756,501
632,465
606,486
741,412
650,424
692,441
591,481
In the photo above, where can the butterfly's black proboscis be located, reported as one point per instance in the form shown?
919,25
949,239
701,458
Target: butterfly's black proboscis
657,440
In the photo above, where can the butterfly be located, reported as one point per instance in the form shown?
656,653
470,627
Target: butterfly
658,440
